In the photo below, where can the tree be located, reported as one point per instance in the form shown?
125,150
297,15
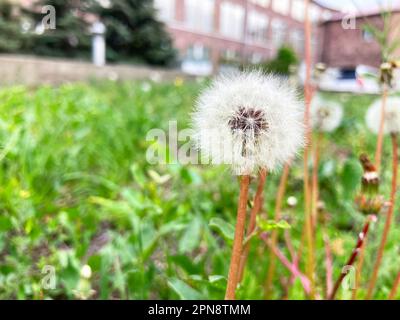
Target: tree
133,32
11,37
71,36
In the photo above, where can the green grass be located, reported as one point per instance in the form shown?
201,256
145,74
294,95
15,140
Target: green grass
76,189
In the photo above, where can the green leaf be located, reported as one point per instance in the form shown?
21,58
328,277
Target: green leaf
184,291
192,236
186,263
217,281
268,225
5,224
225,228
351,176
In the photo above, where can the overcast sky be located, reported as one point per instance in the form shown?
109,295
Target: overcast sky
360,4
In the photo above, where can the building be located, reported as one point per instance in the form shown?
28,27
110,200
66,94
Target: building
211,34
348,44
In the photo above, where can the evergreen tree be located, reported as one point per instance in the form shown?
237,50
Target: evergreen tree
71,36
133,32
11,36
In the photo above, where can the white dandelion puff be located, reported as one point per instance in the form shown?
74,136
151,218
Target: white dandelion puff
250,121
391,120
325,115
86,272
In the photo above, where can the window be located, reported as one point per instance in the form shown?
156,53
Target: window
229,57
297,40
256,58
278,32
200,14
298,10
230,54
347,74
257,27
197,60
263,3
281,6
165,9
367,36
198,52
231,20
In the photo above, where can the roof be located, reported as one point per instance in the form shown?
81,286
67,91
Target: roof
360,13
316,2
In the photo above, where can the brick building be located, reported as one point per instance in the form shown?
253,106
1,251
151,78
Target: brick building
211,33
347,43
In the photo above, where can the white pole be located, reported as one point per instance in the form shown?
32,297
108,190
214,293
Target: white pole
98,44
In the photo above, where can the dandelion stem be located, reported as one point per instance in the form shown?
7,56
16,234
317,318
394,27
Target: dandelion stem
274,236
354,255
389,217
257,207
395,287
238,238
379,144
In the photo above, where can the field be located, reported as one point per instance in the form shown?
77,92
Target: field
76,189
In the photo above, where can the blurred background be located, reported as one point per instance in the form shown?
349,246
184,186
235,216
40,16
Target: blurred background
83,215
197,38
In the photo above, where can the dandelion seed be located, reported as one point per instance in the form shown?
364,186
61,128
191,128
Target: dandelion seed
325,115
391,117
250,121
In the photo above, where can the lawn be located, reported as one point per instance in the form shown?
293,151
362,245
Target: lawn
76,189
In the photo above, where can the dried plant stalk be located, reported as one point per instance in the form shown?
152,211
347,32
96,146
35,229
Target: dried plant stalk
360,265
354,255
389,217
379,144
328,265
315,190
274,237
292,267
307,192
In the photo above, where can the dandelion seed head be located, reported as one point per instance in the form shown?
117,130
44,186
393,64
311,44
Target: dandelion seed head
250,121
86,272
326,115
292,201
391,118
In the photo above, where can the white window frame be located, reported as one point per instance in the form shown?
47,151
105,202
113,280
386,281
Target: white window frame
257,27
279,29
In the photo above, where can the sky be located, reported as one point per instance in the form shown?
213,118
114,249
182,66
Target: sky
355,4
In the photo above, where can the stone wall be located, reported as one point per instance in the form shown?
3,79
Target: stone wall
33,71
